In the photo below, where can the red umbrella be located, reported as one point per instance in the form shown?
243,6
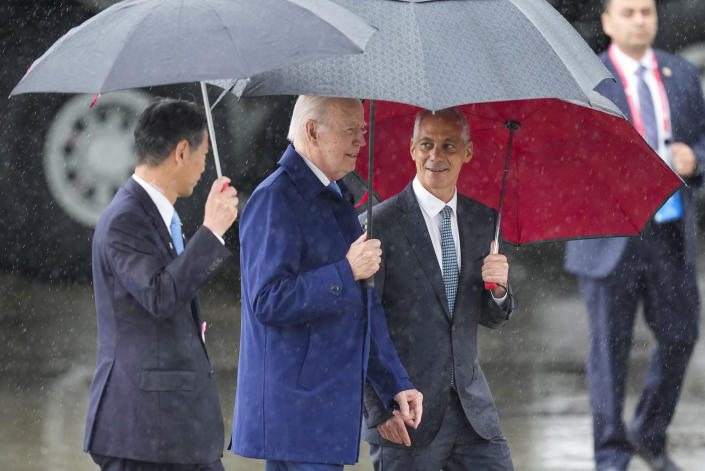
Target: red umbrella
573,171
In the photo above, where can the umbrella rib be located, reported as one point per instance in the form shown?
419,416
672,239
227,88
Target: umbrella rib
426,81
234,43
616,200
553,50
103,88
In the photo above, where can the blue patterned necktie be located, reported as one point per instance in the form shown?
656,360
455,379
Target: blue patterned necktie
333,186
449,258
176,236
673,208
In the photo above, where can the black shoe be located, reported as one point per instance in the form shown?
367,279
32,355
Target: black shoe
661,462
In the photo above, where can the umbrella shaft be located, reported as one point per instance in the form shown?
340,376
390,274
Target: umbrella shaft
370,174
504,189
211,129
370,168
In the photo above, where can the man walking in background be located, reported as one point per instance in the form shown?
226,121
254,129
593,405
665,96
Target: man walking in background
662,96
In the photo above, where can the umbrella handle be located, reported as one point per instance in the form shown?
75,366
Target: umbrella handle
495,248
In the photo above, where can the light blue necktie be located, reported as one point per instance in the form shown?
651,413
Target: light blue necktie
333,186
176,236
673,208
449,259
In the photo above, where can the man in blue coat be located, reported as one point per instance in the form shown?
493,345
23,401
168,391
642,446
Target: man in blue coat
662,96
310,333
153,402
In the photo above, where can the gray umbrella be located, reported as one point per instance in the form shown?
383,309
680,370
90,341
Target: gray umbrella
443,53
436,54
139,43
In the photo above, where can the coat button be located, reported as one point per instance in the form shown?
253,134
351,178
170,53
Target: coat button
452,329
335,288
211,373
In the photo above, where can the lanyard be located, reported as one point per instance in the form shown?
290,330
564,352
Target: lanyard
633,108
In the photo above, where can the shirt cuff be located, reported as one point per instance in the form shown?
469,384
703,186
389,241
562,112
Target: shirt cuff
500,301
222,241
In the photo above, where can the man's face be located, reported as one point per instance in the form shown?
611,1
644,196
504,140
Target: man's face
631,24
194,164
340,137
440,153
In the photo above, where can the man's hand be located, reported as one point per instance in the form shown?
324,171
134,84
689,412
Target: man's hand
364,257
393,429
495,269
410,407
684,161
221,207
409,413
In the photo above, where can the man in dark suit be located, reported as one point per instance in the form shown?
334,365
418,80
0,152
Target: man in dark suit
662,96
434,261
153,402
310,332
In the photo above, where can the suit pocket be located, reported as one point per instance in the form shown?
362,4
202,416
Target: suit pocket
167,380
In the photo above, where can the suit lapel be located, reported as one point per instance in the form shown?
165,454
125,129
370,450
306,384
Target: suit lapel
671,87
411,221
615,91
469,245
152,212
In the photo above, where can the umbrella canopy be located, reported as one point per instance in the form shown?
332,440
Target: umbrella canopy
575,170
436,54
141,43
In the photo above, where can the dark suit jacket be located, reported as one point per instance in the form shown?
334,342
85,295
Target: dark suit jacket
153,397
427,340
597,258
307,331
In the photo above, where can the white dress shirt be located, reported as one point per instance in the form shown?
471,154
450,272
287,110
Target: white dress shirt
629,67
431,210
164,206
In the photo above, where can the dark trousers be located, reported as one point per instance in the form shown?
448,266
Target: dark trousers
652,270
110,463
277,465
456,447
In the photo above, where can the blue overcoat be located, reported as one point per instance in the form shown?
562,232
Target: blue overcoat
310,334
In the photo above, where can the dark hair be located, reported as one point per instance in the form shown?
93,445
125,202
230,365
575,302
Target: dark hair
163,124
605,5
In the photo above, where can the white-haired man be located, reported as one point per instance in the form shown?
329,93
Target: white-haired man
310,333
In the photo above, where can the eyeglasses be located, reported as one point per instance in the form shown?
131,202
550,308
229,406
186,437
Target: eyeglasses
349,131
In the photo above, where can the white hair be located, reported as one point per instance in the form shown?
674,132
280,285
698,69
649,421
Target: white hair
306,107
462,121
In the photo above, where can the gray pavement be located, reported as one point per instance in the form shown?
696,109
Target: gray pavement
534,366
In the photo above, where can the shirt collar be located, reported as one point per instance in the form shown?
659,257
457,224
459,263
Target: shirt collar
429,203
165,208
629,65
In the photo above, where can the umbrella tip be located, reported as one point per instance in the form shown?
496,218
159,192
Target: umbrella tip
512,125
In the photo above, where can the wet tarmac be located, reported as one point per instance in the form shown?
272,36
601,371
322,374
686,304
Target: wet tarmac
534,366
